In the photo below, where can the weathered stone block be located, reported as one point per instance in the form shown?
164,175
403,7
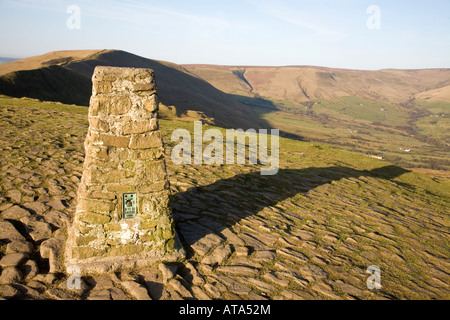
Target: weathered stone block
87,252
165,224
95,177
152,140
114,141
121,188
102,195
159,199
98,124
94,218
84,227
148,224
126,250
143,87
102,87
167,234
170,244
147,237
97,152
129,174
96,205
121,154
155,170
149,154
92,139
113,226
113,242
85,240
136,127
100,163
102,153
98,105
151,104
129,164
154,187
120,105
101,75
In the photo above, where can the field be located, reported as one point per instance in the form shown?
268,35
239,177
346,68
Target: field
368,127
309,232
400,115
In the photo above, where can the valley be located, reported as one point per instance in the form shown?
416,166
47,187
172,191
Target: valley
389,114
401,116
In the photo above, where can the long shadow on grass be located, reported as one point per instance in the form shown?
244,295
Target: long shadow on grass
209,209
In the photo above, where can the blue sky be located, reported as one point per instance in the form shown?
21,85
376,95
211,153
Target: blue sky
407,34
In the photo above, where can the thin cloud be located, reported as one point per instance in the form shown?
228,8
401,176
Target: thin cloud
127,11
301,19
42,5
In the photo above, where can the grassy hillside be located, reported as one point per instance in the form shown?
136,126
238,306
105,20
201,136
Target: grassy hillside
309,232
401,115
45,60
298,84
440,95
393,136
53,83
65,76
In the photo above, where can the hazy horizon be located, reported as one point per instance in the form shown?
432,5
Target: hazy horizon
360,35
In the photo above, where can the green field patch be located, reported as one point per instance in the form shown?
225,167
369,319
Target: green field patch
357,108
434,107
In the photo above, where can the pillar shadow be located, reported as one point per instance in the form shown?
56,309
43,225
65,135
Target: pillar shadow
209,209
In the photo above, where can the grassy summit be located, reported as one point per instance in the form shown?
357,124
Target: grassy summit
309,232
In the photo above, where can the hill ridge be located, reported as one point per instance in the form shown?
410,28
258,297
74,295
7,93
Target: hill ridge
178,86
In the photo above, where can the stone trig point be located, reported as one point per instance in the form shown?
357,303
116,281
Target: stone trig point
122,219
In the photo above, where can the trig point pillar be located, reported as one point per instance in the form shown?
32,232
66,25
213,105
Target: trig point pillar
122,218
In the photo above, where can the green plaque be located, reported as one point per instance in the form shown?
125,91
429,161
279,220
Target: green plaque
129,205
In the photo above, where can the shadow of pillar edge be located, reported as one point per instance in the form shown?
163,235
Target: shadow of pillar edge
227,199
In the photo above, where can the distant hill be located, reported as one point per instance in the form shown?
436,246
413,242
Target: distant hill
402,116
65,76
6,60
45,60
434,95
299,84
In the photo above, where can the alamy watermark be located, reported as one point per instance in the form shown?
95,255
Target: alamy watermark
74,281
214,152
374,20
374,281
74,20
